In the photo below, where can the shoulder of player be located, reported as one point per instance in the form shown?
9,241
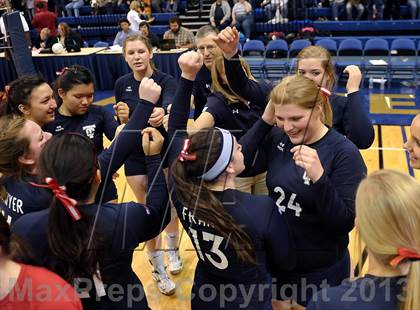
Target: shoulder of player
121,81
161,77
340,144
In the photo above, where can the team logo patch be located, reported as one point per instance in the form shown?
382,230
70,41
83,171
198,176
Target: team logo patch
89,130
59,128
280,146
129,89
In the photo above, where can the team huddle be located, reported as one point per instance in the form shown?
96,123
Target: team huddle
267,181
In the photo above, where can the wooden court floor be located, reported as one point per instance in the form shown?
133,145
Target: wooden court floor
386,152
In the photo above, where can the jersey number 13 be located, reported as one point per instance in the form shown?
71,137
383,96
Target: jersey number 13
222,262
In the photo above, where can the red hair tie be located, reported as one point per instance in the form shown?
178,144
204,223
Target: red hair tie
184,155
325,92
60,194
62,71
403,254
5,94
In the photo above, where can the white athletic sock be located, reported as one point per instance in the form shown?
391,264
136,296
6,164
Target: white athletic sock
172,241
156,258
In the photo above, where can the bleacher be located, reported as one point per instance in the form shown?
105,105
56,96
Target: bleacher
95,28
376,57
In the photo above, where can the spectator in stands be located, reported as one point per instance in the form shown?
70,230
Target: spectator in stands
21,284
30,9
392,9
354,4
145,11
242,17
337,8
220,14
74,5
414,6
171,6
376,14
102,7
145,30
275,10
133,15
44,19
123,5
156,6
124,32
45,40
71,40
184,38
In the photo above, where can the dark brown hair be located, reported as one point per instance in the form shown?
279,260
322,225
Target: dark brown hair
19,92
70,241
194,194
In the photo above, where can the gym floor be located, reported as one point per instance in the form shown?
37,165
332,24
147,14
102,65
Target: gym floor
391,111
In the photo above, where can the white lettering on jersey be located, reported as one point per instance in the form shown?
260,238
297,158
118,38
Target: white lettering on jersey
14,203
306,179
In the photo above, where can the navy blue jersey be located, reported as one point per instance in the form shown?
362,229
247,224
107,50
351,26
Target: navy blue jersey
121,226
218,264
23,198
237,117
367,293
127,89
96,122
201,89
350,118
319,215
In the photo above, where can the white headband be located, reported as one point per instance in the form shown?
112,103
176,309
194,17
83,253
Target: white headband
224,158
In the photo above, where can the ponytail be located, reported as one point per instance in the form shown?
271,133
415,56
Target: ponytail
192,192
412,289
74,244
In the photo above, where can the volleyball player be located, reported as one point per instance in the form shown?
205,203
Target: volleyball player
349,116
412,146
138,54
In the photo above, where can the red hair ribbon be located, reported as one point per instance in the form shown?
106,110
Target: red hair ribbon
60,194
325,92
403,254
184,155
60,73
5,93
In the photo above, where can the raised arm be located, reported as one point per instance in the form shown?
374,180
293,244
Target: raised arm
137,222
251,90
257,135
190,63
356,122
129,138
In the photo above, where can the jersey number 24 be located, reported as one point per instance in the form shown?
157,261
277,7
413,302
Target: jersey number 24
291,204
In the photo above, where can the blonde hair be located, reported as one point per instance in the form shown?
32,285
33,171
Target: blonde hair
388,218
134,5
324,56
217,83
302,91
